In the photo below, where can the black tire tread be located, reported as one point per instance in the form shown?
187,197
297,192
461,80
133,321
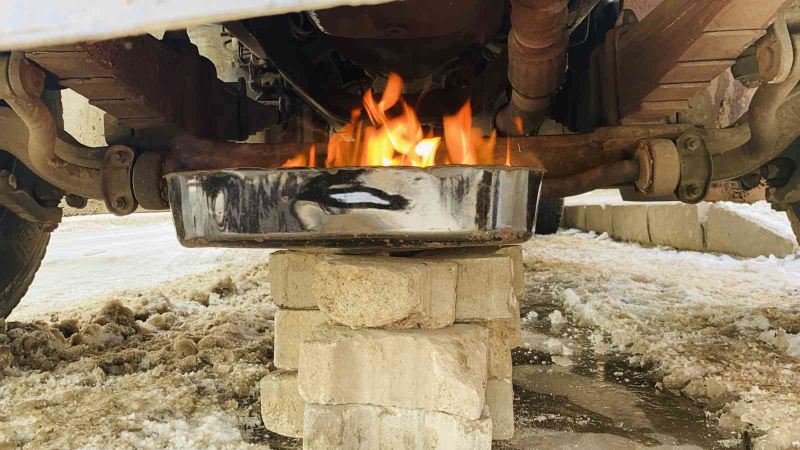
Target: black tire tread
22,248
548,216
794,218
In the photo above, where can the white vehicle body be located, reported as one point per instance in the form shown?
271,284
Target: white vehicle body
27,24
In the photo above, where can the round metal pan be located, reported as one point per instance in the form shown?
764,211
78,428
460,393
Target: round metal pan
355,208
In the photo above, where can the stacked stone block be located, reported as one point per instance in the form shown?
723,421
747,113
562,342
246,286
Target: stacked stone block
401,352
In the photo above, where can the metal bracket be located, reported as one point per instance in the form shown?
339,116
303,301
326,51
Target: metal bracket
116,184
696,168
23,204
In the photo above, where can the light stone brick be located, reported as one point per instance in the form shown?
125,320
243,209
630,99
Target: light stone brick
502,338
292,327
437,370
386,292
485,289
516,326
630,223
485,283
291,276
599,218
369,427
500,401
678,225
281,405
729,232
518,265
575,217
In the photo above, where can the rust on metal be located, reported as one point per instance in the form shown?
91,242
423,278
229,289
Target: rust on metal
675,51
558,155
147,83
537,57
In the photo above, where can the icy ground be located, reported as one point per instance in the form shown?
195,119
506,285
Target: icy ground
719,330
626,347
93,255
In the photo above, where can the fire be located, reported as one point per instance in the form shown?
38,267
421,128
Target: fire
392,135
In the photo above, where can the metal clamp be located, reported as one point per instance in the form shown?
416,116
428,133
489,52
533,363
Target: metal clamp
659,167
23,204
696,168
116,184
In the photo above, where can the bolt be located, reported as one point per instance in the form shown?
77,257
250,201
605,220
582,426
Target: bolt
76,201
120,203
121,157
693,190
693,143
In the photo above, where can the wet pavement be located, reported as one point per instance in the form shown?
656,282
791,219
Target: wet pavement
566,396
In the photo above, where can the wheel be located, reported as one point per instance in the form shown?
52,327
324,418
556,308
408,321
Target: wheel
548,216
794,218
22,246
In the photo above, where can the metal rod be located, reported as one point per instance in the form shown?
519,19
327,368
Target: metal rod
621,172
771,132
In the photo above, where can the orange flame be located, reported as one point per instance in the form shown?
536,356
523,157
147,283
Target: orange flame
394,137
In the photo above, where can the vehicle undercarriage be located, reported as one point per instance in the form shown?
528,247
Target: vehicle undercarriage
588,91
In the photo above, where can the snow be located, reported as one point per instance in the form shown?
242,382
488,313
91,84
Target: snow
719,330
598,197
116,253
106,378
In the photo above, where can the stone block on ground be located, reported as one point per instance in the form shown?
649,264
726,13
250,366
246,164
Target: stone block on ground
368,427
282,407
575,217
500,401
291,276
678,225
292,327
485,283
729,232
502,338
599,218
518,265
436,370
629,223
386,292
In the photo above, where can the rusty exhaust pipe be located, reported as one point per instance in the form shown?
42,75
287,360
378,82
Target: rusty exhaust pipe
537,55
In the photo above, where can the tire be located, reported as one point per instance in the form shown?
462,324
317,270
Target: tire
794,218
548,216
22,243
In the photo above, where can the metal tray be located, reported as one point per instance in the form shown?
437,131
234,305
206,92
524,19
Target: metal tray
355,208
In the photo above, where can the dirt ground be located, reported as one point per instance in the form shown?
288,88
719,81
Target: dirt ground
625,347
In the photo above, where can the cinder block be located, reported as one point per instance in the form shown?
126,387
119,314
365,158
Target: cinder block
485,283
281,405
518,266
386,292
292,328
502,338
436,370
599,218
575,217
500,401
516,326
678,225
291,276
629,223
369,427
729,232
